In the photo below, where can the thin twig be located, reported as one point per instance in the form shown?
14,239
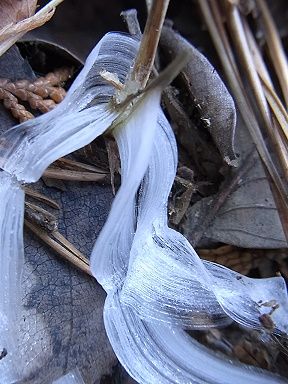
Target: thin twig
242,48
67,174
275,47
144,61
38,196
65,251
78,166
237,87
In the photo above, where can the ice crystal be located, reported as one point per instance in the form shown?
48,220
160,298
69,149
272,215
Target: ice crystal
157,287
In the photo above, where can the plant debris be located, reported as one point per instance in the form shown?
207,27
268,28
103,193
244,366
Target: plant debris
42,94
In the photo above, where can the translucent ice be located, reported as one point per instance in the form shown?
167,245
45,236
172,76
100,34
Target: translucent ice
11,264
155,282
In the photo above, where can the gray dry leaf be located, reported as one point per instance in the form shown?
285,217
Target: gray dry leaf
62,324
215,104
248,218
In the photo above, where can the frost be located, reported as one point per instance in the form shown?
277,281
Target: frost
155,282
11,264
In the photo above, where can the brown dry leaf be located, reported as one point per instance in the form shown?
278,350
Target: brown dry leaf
12,11
215,104
17,18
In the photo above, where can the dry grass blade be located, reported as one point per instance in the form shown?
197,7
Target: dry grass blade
62,239
14,32
143,65
78,166
66,250
275,47
40,217
67,174
277,107
238,35
38,196
212,15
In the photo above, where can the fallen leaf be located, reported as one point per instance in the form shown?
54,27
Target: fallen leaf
248,218
215,104
13,11
17,18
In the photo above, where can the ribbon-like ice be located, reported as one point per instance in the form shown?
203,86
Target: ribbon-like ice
157,287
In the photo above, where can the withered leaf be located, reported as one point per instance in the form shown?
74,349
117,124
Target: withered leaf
248,218
13,11
215,104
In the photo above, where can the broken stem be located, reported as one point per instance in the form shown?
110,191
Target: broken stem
65,174
38,196
215,27
142,68
275,47
80,262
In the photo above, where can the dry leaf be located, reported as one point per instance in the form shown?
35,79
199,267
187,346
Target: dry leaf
13,11
17,18
215,104
248,218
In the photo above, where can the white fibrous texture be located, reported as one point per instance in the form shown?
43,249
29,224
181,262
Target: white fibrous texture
11,264
157,287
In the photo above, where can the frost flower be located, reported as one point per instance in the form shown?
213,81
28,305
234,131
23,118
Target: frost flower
157,287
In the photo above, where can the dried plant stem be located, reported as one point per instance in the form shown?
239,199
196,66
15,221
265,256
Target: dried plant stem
242,47
275,47
78,166
67,251
142,68
67,174
277,108
38,196
213,20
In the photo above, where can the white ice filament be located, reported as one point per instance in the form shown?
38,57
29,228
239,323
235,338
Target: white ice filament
155,282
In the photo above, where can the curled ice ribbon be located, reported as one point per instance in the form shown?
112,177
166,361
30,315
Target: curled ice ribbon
157,287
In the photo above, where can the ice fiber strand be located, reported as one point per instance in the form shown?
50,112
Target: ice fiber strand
11,265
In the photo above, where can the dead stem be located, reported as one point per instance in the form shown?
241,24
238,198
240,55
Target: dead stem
242,47
277,107
38,196
74,165
66,251
40,217
214,24
142,68
67,174
275,47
